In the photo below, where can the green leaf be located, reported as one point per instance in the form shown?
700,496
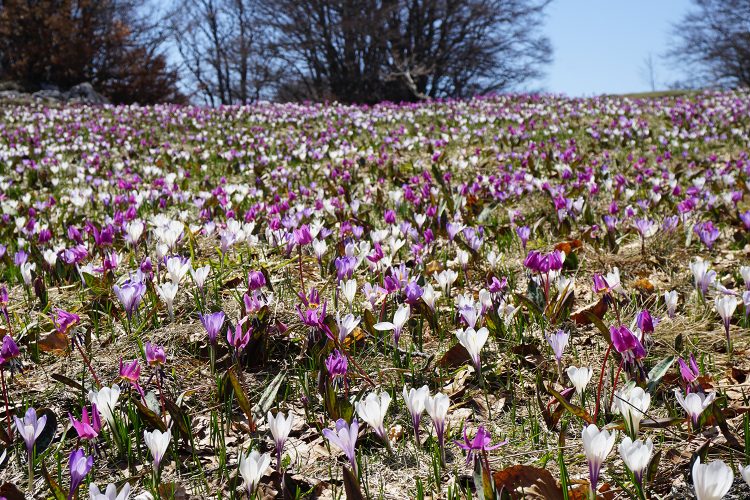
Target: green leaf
240,394
149,416
56,489
575,410
351,485
268,397
657,373
50,429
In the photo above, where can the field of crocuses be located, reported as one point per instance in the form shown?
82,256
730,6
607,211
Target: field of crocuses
511,297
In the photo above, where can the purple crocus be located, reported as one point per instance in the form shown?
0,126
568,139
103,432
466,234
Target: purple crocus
745,218
479,444
523,232
80,465
213,323
30,428
345,267
8,350
413,292
302,235
155,354
336,365
256,280
707,233
130,295
65,320
558,341
345,437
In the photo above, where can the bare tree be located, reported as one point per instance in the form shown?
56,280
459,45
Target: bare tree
648,72
222,49
371,50
714,39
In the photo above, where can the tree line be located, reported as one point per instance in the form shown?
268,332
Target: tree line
223,52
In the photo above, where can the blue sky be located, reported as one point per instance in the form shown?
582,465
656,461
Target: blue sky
600,45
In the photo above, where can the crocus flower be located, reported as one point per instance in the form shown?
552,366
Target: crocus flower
437,408
636,455
280,427
336,365
725,306
429,296
302,235
473,341
523,232
157,443
480,443
65,320
26,269
711,481
345,437
416,400
80,465
746,474
745,273
168,291
130,295
155,354
346,325
348,290
200,275
8,350
703,277
88,427
30,428
695,403
400,318
446,279
212,324
105,400
632,404
252,467
177,268
110,493
707,233
256,280
372,410
558,341
596,446
580,378
670,300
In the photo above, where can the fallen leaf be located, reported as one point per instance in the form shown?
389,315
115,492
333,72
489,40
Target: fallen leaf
527,482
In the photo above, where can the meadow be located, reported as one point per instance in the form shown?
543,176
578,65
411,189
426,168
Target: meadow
525,296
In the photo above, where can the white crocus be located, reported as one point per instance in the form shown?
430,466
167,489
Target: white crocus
745,473
473,341
177,269
416,401
134,231
636,455
168,291
711,481
346,325
399,320
26,269
745,273
694,403
349,290
446,279
200,275
632,404
50,257
580,378
373,409
157,443
429,296
110,493
670,300
597,444
725,306
105,400
252,467
280,427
